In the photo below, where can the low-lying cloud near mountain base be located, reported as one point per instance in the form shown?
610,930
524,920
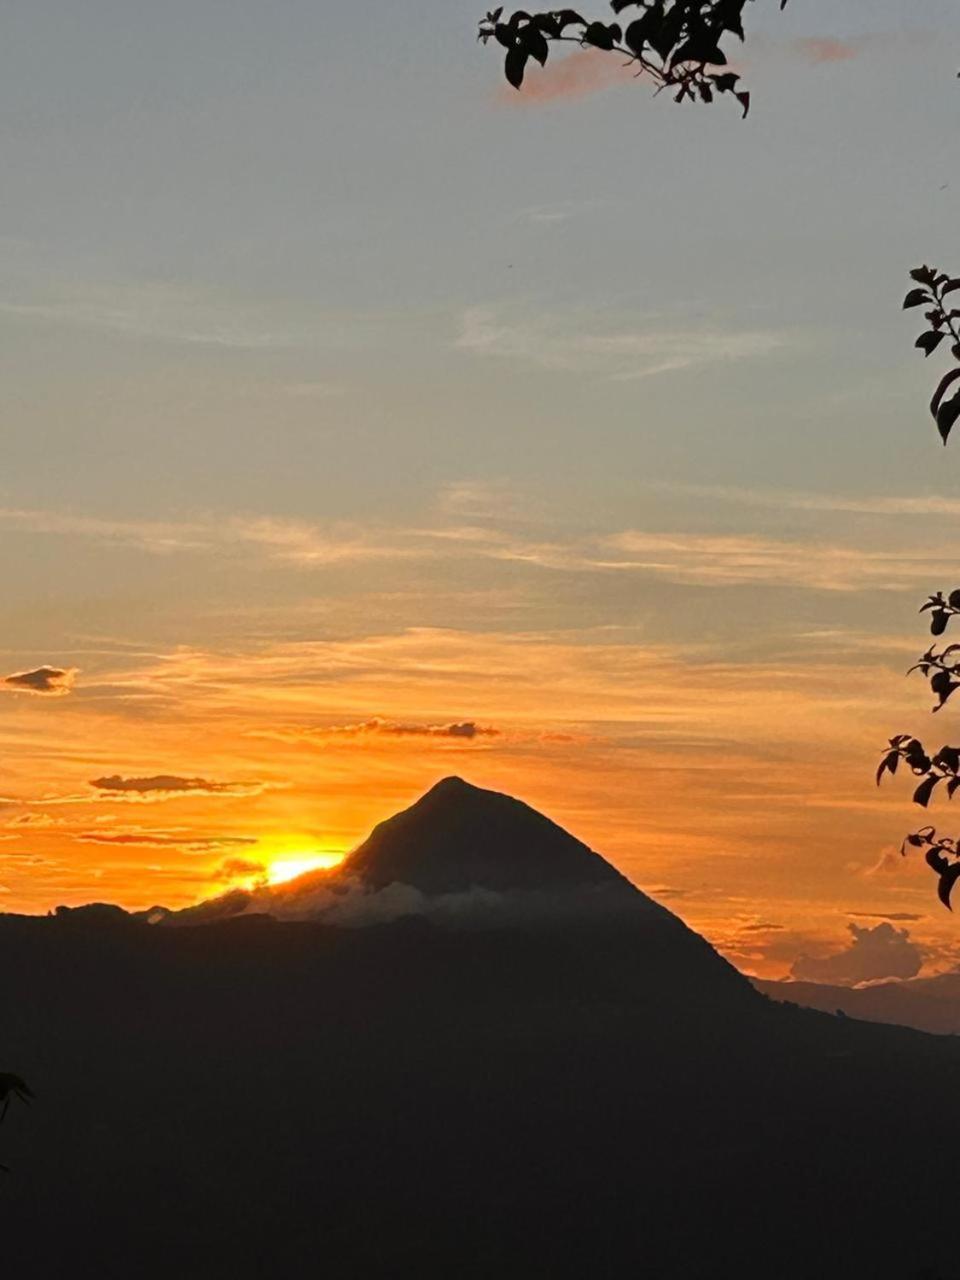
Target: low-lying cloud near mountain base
881,952
349,902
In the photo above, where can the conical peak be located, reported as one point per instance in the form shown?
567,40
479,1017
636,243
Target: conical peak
452,786
458,836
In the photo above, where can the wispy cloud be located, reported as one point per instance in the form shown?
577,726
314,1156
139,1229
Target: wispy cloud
799,500
493,500
565,342
554,214
721,560
820,49
147,309
486,522
290,541
567,77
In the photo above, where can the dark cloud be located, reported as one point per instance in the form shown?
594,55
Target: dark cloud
166,839
232,868
172,784
880,952
761,927
52,681
887,915
464,729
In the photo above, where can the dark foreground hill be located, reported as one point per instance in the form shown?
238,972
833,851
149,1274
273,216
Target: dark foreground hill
537,1096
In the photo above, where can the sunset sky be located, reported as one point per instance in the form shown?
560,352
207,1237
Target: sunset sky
364,422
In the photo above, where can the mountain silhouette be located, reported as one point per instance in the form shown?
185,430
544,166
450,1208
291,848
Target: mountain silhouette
458,837
595,1094
464,857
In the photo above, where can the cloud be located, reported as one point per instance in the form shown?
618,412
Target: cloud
347,901
739,560
566,78
888,915
235,868
889,863
157,311
293,542
172,784
52,681
821,49
163,839
481,500
880,952
922,505
554,214
564,342
484,521
380,728
465,729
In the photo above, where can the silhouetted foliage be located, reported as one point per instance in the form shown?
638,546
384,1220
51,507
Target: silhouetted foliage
943,324
941,669
674,42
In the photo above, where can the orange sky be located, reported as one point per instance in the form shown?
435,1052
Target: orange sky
740,793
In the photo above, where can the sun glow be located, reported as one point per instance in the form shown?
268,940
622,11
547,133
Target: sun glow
297,864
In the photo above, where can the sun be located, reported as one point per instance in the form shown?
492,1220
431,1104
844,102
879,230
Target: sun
292,865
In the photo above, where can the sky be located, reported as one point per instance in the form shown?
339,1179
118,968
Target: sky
365,422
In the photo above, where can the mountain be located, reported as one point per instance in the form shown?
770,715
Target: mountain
928,1004
464,857
458,837
541,1093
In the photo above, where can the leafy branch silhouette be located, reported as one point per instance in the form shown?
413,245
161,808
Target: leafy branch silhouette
940,668
673,42
943,323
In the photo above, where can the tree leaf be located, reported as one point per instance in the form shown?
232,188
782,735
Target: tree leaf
915,298
947,415
888,763
515,65
943,686
925,790
938,622
599,35
929,341
639,32
569,18
937,406
534,41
